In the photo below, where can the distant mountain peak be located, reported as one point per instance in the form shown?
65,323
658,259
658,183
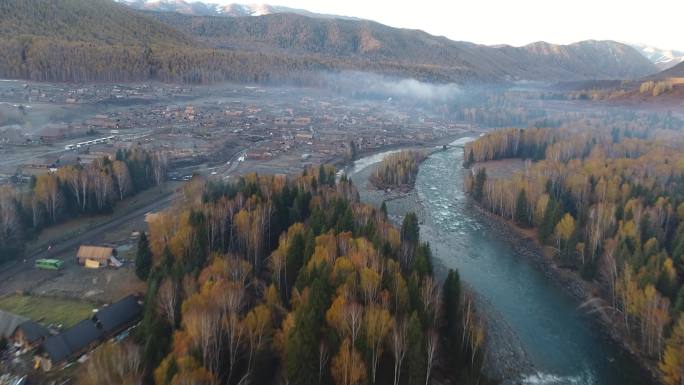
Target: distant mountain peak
199,8
662,58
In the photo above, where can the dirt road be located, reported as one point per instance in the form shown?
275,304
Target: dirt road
12,270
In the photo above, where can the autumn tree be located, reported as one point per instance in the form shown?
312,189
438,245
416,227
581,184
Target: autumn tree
672,364
399,345
347,366
122,178
48,193
377,324
113,364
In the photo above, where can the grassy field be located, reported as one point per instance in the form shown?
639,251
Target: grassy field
47,310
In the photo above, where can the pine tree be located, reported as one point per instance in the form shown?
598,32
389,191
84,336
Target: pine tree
552,215
478,187
451,304
422,260
143,258
410,230
303,343
521,209
294,259
679,302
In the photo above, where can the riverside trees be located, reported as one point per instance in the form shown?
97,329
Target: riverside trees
322,295
611,205
397,170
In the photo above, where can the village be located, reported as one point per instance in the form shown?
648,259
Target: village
274,129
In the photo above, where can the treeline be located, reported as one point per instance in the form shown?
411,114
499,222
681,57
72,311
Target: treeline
509,143
397,170
73,191
274,280
655,88
611,205
53,59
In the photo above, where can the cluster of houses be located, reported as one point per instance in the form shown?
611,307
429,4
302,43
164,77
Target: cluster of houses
51,350
46,93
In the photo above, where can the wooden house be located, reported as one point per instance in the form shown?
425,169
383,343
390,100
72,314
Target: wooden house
96,256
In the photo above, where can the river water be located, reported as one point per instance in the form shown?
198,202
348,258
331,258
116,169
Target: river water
562,344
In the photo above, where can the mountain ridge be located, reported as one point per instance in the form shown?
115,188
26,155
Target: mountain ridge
373,41
101,40
199,8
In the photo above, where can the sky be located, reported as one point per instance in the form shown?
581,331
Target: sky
518,22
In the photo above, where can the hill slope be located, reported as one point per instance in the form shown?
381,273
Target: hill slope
84,20
100,40
674,72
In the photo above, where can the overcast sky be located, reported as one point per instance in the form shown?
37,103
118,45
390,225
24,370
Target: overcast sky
517,22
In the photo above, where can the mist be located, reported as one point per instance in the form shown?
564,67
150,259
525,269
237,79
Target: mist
369,85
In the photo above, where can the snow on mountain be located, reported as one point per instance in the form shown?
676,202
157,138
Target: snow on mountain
662,58
199,8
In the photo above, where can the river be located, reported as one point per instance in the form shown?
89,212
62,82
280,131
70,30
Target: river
561,343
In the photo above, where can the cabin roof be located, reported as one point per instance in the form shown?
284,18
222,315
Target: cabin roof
33,331
118,314
72,341
95,252
9,322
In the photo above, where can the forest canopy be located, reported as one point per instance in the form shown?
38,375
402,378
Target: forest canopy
269,279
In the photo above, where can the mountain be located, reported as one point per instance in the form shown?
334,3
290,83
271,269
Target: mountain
370,41
198,8
101,40
662,58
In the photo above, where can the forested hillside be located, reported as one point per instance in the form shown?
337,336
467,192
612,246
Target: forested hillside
99,40
86,21
610,204
274,280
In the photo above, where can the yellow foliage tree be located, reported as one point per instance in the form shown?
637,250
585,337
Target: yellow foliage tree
347,366
672,364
